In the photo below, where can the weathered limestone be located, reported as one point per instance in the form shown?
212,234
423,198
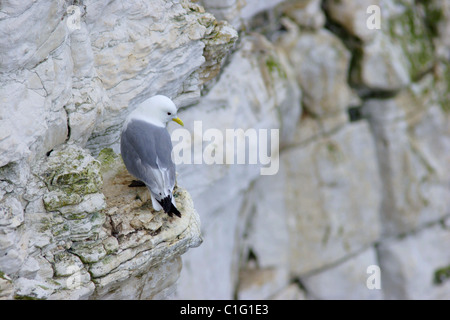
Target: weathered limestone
321,62
339,197
238,12
411,131
84,256
416,267
348,279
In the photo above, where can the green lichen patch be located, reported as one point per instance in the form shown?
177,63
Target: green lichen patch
334,152
89,251
409,29
19,297
207,20
70,174
73,170
193,7
61,230
57,199
274,66
442,85
434,14
107,158
441,275
218,40
4,276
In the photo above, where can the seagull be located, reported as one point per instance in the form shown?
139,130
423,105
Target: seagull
146,150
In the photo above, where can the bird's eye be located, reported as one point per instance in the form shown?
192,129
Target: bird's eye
169,114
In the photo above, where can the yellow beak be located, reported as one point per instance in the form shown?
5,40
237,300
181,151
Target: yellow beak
178,120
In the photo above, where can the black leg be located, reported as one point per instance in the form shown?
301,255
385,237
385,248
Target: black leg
136,183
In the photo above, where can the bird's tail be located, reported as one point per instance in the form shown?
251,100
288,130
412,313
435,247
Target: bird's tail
169,207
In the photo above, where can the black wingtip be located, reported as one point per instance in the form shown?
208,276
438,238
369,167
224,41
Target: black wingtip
175,211
168,207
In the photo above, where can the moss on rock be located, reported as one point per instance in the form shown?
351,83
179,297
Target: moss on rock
107,158
441,275
70,174
409,29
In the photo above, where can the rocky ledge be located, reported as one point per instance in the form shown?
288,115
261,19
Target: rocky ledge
97,237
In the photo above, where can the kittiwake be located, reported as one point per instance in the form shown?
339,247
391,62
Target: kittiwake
146,150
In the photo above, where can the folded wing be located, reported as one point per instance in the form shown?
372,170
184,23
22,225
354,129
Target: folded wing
146,151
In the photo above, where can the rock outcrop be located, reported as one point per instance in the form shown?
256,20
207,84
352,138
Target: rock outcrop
69,76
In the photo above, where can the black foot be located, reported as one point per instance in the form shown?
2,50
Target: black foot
136,183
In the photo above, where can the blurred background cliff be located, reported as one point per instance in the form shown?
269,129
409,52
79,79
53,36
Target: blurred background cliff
360,206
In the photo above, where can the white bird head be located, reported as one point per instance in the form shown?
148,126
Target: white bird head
158,110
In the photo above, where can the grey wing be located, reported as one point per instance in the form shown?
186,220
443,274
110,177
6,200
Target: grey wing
146,151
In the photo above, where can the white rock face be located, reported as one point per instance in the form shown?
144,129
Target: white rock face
306,14
41,32
354,16
268,236
216,258
383,66
348,279
238,12
260,284
420,261
30,125
412,128
321,61
338,197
